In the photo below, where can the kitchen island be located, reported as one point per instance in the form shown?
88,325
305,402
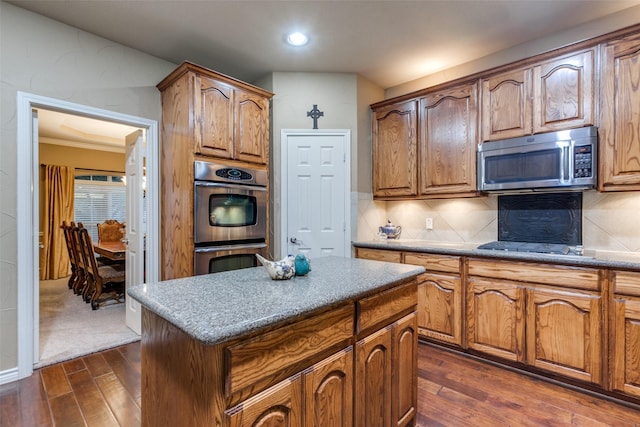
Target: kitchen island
335,347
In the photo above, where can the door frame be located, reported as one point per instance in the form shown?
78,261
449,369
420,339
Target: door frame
27,207
284,193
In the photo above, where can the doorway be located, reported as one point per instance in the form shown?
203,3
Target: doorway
28,209
315,196
95,150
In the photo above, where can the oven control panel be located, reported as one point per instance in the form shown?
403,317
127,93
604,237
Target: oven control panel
234,174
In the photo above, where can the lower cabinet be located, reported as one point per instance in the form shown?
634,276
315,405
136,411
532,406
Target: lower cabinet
564,333
542,321
280,405
328,391
386,376
369,384
325,390
625,346
440,297
495,318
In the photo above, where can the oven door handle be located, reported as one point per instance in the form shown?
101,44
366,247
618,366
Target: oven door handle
234,186
230,247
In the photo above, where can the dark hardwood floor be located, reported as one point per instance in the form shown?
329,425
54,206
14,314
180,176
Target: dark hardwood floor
103,389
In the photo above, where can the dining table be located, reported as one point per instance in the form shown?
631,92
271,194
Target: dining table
114,251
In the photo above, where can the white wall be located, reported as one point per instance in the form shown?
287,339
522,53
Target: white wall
335,94
44,57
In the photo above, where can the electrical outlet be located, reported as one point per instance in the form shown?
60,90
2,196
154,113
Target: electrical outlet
429,224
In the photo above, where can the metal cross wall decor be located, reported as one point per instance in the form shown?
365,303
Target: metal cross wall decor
315,114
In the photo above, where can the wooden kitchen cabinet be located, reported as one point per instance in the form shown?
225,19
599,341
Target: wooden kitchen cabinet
230,118
506,105
440,297
280,405
395,147
563,92
619,165
373,380
555,94
204,114
495,318
404,376
625,345
328,391
564,333
386,359
546,316
448,139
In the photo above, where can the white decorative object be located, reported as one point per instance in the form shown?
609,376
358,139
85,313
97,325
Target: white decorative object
279,270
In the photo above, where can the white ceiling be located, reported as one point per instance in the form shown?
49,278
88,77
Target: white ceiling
389,42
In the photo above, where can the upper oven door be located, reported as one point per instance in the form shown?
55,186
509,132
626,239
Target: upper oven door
229,212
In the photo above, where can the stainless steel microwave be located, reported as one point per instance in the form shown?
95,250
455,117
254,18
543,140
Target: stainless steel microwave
563,160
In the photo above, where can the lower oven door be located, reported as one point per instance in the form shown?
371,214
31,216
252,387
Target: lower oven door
214,259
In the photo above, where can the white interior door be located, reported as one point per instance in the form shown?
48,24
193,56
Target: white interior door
316,196
136,226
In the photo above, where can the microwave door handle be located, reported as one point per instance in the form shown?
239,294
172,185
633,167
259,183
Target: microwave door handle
564,160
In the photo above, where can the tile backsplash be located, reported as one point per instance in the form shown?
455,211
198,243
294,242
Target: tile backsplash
610,220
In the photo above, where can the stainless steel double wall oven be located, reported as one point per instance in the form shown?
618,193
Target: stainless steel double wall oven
230,216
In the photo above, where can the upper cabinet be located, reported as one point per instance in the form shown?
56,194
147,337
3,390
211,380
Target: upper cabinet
553,95
225,118
438,163
448,123
506,105
204,114
395,133
619,128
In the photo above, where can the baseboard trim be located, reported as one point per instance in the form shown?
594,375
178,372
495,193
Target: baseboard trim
9,376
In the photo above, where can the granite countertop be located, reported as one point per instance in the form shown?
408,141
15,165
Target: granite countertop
215,308
591,258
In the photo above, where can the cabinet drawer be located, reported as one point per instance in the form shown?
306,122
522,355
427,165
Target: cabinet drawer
433,262
379,255
278,354
385,307
547,274
627,283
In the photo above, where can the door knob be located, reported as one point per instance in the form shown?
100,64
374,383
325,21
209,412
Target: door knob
295,241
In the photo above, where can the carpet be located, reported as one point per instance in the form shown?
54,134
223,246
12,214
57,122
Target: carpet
69,328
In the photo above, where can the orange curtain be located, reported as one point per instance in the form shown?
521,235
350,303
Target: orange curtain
57,207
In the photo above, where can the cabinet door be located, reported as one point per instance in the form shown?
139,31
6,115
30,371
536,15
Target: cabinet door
213,116
563,93
495,318
373,380
329,391
564,333
440,308
506,105
620,116
251,127
404,385
626,345
448,141
278,406
395,150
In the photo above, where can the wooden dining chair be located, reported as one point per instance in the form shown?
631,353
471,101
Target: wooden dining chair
71,250
81,282
106,282
110,231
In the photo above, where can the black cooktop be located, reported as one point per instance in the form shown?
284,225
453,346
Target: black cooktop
543,248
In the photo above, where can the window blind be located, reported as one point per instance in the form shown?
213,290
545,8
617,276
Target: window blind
97,199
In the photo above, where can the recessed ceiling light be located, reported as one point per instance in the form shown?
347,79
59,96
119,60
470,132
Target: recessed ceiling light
297,39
